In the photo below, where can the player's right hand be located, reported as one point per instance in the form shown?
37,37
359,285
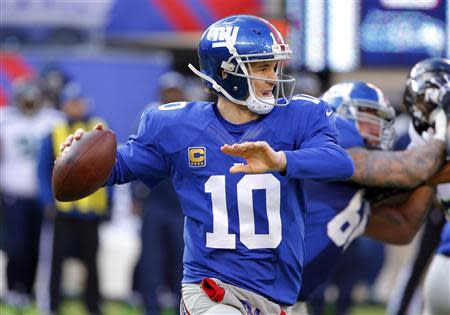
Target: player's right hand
439,118
439,132
77,136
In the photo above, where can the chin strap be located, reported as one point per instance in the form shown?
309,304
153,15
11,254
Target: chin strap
251,103
216,86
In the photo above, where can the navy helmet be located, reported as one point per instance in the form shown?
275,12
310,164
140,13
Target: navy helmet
27,95
364,103
72,92
227,48
427,88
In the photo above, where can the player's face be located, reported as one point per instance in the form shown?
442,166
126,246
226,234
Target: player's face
370,127
170,95
264,70
75,109
28,106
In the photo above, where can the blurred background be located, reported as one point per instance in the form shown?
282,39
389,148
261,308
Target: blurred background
120,52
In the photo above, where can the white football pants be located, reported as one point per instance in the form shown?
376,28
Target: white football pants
437,287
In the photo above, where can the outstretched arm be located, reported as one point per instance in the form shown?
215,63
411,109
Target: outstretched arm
317,155
398,225
401,169
404,169
441,177
260,157
316,163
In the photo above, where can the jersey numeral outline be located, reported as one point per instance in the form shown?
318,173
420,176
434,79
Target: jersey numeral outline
349,224
220,237
172,106
305,97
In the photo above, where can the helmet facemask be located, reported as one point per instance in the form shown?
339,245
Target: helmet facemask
375,124
283,85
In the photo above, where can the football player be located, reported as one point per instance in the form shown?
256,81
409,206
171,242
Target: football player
19,202
365,123
428,89
238,167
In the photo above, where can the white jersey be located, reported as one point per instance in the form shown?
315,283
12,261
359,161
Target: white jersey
20,140
443,192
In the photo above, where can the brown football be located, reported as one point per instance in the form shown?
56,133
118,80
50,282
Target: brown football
85,166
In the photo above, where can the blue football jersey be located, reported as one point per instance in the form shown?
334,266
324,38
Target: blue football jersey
244,229
444,246
336,215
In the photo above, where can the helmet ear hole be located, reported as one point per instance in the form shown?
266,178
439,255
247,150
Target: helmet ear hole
220,73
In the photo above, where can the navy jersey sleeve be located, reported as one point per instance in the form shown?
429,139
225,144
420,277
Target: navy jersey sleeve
142,157
319,156
45,166
349,136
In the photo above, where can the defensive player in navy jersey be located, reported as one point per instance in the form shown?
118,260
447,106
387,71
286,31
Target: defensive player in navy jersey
437,291
238,166
364,120
428,89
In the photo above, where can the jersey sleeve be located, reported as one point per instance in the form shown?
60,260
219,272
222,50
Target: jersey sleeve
45,167
319,157
349,136
142,157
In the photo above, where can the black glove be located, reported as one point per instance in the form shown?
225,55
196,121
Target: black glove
438,92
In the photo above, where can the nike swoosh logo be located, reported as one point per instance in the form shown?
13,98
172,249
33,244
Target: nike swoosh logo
328,112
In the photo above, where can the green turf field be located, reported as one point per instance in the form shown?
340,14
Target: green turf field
117,308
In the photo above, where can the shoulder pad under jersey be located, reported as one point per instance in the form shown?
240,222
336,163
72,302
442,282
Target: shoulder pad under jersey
174,126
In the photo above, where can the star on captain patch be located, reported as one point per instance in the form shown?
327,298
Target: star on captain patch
197,156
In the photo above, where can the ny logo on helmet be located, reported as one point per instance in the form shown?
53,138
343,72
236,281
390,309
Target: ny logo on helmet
221,34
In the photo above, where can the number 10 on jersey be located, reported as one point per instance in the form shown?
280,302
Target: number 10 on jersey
220,237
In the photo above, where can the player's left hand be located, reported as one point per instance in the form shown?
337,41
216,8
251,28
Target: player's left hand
441,177
260,157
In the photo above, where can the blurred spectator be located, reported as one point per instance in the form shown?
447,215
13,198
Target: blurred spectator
160,269
23,126
308,83
76,223
52,81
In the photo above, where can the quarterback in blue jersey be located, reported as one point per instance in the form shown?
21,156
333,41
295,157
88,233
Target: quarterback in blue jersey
238,166
364,120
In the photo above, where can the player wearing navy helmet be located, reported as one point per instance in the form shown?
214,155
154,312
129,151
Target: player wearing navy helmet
427,91
238,166
364,120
